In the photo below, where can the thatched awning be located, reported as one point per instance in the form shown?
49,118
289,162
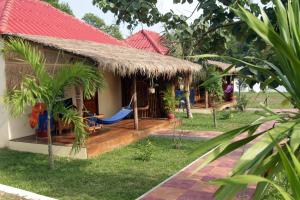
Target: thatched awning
117,59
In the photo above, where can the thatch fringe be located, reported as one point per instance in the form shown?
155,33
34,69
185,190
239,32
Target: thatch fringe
123,61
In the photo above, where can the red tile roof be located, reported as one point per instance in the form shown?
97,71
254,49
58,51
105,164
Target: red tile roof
147,40
35,17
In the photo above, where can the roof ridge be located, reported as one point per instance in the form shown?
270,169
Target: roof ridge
79,20
5,15
152,41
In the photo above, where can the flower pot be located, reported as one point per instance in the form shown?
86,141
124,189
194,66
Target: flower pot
152,90
181,87
171,116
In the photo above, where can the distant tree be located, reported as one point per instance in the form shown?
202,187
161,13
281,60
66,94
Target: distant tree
114,30
99,23
94,20
65,7
215,90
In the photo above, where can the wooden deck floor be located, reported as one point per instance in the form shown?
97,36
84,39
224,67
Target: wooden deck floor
109,137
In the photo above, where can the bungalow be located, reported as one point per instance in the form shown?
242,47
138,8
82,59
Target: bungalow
63,38
153,42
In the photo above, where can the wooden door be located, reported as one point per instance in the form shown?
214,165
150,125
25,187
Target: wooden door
92,104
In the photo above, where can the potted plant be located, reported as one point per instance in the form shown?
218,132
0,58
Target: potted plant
169,101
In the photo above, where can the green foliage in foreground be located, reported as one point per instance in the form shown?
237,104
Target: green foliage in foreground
271,193
112,176
203,122
291,166
260,159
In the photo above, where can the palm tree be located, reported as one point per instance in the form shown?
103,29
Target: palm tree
46,88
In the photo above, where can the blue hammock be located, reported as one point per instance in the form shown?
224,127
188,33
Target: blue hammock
124,112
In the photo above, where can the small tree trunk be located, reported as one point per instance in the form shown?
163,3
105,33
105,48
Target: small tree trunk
135,107
79,100
187,96
267,100
214,111
206,99
215,117
50,151
240,85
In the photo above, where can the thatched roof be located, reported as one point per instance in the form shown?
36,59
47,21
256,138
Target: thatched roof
221,65
118,59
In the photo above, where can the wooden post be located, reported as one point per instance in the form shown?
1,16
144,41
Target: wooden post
173,81
79,100
135,108
50,150
206,99
187,81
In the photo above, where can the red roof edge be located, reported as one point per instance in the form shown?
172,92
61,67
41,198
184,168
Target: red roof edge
5,15
152,42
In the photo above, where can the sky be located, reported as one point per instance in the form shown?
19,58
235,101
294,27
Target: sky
81,7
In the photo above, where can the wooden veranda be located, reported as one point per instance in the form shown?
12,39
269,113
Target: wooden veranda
101,141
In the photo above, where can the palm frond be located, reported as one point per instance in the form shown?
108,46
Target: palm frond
28,94
286,43
79,74
71,116
29,54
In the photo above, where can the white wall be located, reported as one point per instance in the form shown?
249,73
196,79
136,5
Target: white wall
19,126
110,98
10,127
4,125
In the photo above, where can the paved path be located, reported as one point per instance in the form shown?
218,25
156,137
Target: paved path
187,134
209,110
190,185
281,110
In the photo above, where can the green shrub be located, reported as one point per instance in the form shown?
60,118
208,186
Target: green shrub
144,151
242,103
228,114
177,142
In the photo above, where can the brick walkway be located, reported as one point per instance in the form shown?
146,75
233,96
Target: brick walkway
188,185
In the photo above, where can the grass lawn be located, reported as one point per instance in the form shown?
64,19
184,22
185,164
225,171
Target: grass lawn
274,101
112,176
204,122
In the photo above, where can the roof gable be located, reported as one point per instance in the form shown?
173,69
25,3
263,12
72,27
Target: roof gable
147,40
34,17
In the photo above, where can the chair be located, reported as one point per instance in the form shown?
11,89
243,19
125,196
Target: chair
61,126
92,122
